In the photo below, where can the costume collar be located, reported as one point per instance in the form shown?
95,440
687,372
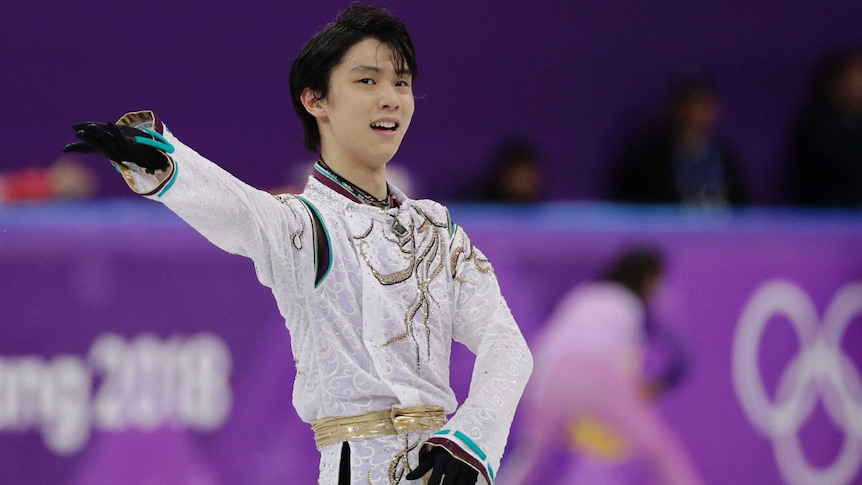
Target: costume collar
328,177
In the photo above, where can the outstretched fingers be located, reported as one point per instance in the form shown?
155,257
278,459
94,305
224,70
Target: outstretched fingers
79,147
99,136
437,476
420,470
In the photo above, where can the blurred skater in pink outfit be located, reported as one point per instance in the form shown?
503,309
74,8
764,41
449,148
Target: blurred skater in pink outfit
589,393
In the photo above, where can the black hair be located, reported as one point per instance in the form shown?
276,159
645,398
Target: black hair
324,51
634,266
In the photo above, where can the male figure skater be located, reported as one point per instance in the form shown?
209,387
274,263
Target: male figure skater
373,285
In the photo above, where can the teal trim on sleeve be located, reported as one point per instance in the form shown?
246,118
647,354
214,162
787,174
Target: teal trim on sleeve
160,142
473,446
452,225
171,181
322,264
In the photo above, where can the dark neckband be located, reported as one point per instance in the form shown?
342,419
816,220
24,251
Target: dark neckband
357,191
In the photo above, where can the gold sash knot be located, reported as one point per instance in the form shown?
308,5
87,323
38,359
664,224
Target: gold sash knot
387,422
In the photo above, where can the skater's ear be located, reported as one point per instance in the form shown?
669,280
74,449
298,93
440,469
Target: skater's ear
312,102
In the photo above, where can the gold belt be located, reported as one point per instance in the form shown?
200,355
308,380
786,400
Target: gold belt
328,431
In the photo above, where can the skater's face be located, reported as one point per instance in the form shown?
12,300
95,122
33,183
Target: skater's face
368,108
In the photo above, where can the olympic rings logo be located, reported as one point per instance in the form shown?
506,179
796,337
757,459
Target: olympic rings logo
819,370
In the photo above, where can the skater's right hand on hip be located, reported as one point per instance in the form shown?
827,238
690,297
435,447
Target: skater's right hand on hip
445,469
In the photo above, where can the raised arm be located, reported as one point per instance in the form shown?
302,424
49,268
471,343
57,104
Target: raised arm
275,232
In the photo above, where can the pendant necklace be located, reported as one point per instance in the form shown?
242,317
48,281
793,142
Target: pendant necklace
367,198
397,227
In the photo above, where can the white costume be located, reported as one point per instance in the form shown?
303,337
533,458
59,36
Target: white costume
372,298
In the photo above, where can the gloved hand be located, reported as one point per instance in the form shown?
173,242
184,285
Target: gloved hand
446,469
120,143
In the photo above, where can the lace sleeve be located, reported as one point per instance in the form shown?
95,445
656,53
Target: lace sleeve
479,430
274,231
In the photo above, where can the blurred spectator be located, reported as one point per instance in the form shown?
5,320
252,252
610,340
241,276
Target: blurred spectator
590,393
65,178
826,146
516,174
683,159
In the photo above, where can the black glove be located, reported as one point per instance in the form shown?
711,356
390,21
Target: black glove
120,143
447,470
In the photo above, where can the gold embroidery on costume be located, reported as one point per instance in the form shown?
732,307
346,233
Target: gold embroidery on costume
483,265
400,465
393,340
295,236
425,263
390,278
453,261
363,236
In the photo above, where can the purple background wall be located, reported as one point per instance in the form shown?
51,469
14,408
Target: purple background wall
570,74
76,273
